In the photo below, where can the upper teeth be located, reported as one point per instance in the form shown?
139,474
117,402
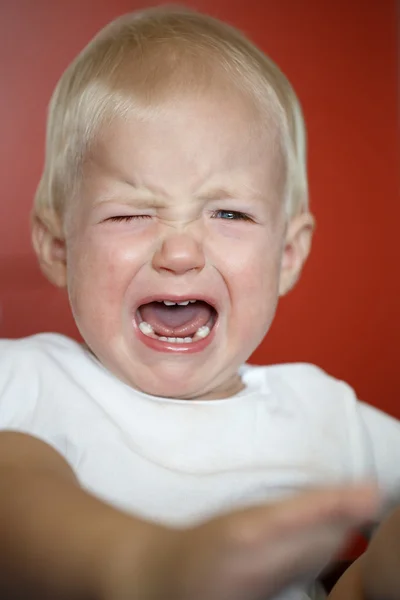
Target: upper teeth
184,303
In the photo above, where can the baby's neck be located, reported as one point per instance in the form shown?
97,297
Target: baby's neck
228,389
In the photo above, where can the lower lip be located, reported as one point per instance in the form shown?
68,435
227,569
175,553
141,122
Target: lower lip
160,346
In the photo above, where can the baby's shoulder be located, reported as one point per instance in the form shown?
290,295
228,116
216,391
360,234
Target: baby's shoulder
304,383
36,347
26,361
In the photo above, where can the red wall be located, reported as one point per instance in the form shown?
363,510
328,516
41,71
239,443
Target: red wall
341,57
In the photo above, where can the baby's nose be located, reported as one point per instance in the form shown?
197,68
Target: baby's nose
178,254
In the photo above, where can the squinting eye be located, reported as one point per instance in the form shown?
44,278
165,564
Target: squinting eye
231,215
127,218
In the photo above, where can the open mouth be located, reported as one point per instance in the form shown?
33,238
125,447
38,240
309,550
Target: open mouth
182,322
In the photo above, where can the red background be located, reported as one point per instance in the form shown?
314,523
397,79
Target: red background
341,57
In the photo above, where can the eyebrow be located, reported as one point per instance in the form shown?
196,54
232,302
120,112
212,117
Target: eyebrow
141,197
218,193
226,193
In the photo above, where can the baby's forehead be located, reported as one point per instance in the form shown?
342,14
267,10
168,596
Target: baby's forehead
193,139
220,114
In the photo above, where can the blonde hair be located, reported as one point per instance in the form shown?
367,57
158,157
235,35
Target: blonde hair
139,59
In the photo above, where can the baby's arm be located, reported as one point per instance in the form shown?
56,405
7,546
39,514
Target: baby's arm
349,586
376,574
57,541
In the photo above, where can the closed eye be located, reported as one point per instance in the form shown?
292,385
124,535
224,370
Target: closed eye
127,218
230,215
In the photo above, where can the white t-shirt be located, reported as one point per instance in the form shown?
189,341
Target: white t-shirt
179,462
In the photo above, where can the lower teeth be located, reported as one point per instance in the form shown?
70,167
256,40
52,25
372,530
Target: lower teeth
176,340
200,334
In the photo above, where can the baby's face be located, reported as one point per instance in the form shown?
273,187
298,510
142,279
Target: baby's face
183,206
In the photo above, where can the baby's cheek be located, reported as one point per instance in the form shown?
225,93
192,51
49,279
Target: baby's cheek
258,269
94,282
257,284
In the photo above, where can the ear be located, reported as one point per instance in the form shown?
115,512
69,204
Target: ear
49,245
296,250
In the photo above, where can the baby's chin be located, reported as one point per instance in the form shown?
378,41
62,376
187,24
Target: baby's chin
199,376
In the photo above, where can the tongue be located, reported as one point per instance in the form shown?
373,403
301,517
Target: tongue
176,321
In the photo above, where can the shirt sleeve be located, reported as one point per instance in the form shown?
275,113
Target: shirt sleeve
22,407
382,439
18,385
